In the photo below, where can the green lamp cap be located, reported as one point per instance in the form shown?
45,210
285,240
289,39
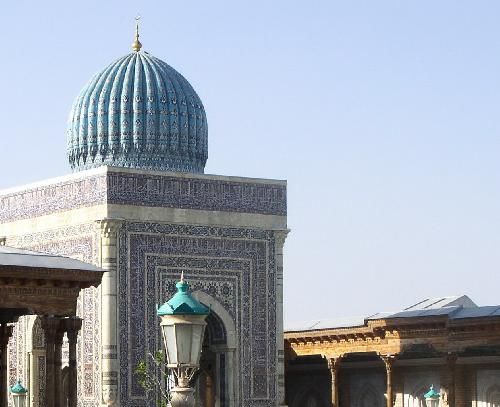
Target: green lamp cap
18,388
432,394
182,303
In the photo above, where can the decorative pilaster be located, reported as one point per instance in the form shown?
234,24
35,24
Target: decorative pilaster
280,237
50,325
333,366
109,317
72,326
5,334
389,362
229,362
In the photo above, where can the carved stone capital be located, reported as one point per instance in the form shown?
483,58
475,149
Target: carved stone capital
5,334
388,361
333,363
109,227
72,327
280,236
50,326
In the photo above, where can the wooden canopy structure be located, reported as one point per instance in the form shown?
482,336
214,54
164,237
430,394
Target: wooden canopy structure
454,340
46,285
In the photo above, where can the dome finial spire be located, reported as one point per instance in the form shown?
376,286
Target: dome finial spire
136,45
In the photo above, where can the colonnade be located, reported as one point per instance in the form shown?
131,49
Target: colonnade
389,360
54,330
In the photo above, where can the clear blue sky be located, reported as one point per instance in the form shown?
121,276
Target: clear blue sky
382,115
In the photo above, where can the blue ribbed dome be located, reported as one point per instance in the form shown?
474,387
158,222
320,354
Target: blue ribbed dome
138,112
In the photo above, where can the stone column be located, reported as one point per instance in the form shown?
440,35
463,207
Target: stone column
451,361
5,334
280,236
58,388
389,362
333,366
72,326
109,306
230,363
50,325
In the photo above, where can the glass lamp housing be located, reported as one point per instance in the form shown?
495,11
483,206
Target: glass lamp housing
183,339
432,402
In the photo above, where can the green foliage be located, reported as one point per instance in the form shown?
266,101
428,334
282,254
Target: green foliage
153,376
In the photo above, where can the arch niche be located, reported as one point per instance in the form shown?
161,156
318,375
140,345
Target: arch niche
217,381
369,396
35,350
309,396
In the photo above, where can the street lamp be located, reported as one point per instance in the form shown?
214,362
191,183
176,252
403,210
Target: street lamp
18,394
183,325
432,398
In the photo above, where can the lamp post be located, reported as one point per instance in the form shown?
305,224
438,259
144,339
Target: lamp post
432,398
19,394
183,326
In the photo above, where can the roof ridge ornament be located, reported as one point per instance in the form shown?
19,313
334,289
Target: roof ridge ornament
136,45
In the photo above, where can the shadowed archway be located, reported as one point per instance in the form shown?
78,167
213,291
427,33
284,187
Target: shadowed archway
215,379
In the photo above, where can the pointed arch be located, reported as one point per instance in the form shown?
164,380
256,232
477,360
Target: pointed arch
369,396
221,314
309,395
418,384
223,352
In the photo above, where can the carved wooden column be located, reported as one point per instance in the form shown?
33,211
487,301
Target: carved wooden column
58,388
109,306
50,326
5,334
451,361
72,326
333,366
280,236
389,362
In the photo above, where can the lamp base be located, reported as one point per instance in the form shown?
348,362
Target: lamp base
182,397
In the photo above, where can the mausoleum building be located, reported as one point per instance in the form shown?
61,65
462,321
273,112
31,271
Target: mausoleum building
139,205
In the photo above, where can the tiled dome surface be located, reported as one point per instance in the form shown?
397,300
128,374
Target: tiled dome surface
141,113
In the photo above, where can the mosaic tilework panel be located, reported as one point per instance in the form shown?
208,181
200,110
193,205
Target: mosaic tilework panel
194,193
58,197
235,266
79,242
145,190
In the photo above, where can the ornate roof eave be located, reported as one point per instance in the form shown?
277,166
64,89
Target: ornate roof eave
336,335
59,277
370,327
42,284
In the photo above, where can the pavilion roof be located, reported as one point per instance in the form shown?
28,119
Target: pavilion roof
22,258
454,308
